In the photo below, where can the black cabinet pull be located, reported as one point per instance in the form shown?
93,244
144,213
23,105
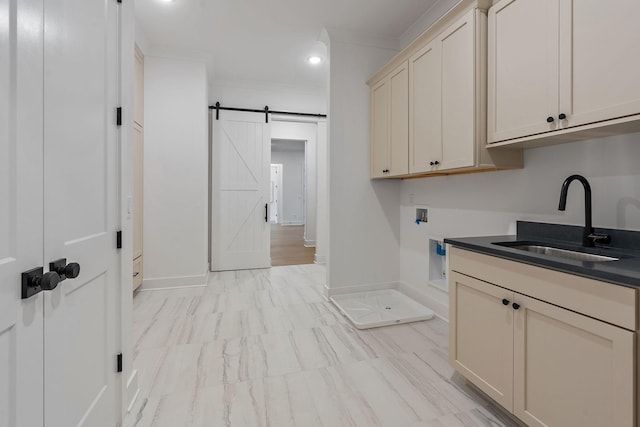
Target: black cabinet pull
436,163
562,116
266,212
550,119
431,163
385,170
515,305
505,301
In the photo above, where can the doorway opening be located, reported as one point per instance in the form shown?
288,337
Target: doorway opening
288,203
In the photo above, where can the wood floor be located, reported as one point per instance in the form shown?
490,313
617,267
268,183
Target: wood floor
264,348
287,246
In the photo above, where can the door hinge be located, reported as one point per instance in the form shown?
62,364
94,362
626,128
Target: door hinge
119,1
119,116
119,362
119,239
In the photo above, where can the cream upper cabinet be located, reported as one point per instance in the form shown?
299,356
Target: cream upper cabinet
389,121
443,83
551,348
425,113
428,105
560,64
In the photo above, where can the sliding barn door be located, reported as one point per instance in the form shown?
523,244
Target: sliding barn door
21,328
240,237
80,202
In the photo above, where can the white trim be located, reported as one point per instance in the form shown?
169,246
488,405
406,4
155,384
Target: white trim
360,288
284,224
320,259
441,310
309,243
175,282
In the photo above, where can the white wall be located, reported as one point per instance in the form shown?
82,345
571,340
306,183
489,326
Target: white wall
490,203
322,211
293,189
175,173
364,237
281,128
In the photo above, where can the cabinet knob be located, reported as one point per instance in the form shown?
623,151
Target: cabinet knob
515,305
505,301
431,163
550,119
385,170
562,116
436,163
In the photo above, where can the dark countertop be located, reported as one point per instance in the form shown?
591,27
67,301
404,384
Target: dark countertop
624,245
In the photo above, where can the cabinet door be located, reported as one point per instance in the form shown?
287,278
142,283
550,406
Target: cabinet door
522,68
425,114
481,336
571,370
599,61
399,121
458,53
379,129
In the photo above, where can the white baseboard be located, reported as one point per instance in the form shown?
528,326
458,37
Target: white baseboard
174,282
285,223
441,310
309,243
320,259
360,288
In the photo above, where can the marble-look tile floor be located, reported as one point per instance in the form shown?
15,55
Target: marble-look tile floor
263,348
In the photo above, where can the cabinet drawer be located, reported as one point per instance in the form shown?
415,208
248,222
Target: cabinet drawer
137,272
611,303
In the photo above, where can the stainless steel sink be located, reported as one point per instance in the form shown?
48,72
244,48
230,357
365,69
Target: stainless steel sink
562,253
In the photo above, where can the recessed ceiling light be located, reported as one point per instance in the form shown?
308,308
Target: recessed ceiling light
314,60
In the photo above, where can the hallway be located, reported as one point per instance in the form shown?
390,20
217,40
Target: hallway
287,246
264,348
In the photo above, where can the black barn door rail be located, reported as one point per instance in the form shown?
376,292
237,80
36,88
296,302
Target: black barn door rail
266,112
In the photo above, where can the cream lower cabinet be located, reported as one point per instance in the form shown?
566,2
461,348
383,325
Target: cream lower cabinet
548,365
561,64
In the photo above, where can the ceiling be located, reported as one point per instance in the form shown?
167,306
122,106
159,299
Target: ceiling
266,41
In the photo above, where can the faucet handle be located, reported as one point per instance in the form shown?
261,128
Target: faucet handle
599,238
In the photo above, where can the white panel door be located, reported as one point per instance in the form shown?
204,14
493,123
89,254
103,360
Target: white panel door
80,202
241,178
21,348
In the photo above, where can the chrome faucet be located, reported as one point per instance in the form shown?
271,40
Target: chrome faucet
589,237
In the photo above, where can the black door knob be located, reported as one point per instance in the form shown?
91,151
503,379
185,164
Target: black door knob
34,281
515,305
49,281
550,119
562,116
505,301
64,270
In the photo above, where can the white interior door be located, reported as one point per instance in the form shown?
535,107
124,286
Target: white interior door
21,351
80,203
241,179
